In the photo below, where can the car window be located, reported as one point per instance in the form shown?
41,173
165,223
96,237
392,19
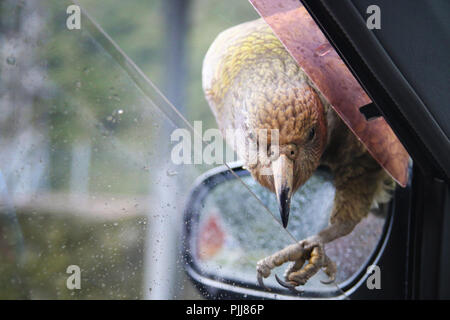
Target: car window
91,196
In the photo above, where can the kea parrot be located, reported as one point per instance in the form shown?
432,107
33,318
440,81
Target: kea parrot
251,84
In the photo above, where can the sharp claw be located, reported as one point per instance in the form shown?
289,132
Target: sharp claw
284,284
287,285
261,282
329,281
331,278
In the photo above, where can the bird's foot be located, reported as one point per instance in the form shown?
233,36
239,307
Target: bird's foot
310,250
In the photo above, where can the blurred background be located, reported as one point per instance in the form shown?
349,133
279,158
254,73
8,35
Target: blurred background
85,176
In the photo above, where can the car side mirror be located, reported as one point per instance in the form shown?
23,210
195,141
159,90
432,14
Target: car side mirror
227,230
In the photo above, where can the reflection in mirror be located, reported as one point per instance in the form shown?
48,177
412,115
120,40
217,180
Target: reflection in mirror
231,231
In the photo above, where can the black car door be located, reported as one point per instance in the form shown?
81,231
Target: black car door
404,67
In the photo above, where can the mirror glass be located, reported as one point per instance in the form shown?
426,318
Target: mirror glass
233,231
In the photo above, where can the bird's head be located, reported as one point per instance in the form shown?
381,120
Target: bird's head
297,117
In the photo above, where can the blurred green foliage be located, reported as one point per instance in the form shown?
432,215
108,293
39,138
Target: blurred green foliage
139,29
108,253
89,89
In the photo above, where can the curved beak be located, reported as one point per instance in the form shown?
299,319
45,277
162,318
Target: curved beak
283,175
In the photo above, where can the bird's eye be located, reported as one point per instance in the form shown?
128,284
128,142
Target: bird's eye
311,134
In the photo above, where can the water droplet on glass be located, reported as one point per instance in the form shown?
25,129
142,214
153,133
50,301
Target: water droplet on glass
323,49
86,70
11,60
171,173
